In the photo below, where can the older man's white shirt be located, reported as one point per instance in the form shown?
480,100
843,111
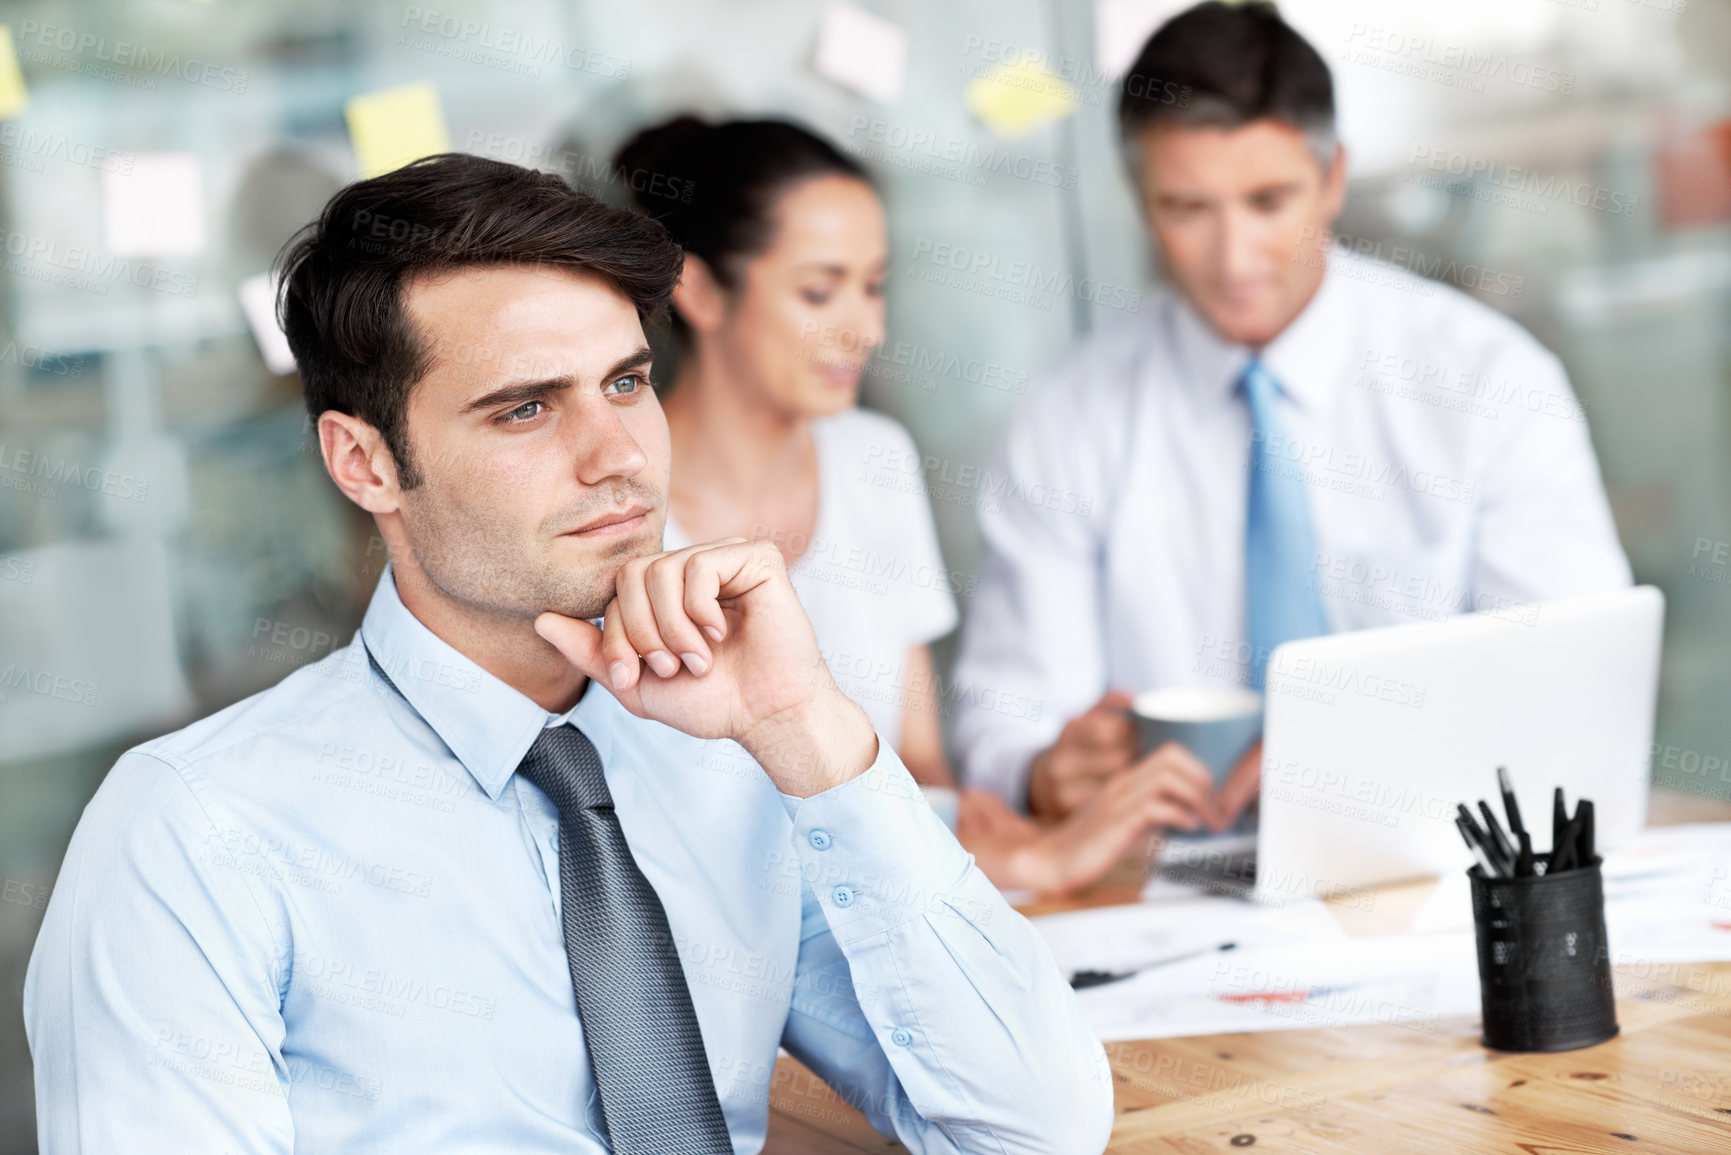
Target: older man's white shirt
1449,464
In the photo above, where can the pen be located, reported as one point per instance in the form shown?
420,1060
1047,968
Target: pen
1499,865
1524,864
1479,856
1559,824
1510,807
1585,853
1505,848
1082,980
1470,827
1563,850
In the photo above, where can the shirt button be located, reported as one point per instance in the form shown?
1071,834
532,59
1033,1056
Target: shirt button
901,1037
820,839
842,895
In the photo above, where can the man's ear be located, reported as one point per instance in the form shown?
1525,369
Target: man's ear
359,461
1334,185
699,297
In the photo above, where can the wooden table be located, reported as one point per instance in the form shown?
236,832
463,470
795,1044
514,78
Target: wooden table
1663,1085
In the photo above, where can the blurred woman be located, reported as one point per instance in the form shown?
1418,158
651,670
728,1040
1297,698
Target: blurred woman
778,312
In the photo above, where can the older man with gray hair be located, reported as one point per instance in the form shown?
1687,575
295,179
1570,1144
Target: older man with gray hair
1292,440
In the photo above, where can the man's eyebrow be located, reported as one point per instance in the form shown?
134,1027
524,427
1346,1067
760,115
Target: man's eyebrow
519,392
1278,186
524,391
636,360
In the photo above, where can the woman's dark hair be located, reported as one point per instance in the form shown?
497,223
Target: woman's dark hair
343,276
729,177
1225,65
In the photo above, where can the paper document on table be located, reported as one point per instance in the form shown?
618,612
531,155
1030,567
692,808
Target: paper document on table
1416,981
1135,935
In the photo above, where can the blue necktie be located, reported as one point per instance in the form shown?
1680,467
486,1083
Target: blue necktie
1281,604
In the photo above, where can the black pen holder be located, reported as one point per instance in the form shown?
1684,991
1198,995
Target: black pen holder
1544,962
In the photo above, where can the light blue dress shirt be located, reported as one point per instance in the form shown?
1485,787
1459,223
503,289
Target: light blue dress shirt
326,919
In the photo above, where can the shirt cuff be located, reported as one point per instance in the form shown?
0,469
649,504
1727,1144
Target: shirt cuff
875,854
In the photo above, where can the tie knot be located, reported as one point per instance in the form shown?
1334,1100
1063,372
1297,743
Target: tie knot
565,766
1256,382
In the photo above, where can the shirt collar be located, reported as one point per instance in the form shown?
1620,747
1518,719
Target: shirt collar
1309,359
488,725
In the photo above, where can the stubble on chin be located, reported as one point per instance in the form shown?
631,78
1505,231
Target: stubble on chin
475,557
585,594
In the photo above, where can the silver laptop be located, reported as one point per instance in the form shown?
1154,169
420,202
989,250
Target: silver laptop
1370,738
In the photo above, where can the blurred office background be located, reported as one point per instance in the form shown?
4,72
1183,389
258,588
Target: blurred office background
169,542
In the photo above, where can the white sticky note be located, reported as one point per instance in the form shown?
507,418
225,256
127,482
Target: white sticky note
394,126
862,52
154,207
258,302
14,97
1122,27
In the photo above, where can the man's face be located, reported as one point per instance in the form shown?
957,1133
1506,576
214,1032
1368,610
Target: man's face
543,451
1236,214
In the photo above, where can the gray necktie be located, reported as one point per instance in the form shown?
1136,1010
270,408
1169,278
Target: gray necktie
657,1094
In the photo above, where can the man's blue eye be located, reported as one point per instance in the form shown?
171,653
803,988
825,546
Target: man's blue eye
520,414
628,383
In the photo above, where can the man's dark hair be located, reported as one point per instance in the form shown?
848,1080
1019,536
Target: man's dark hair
344,275
1224,66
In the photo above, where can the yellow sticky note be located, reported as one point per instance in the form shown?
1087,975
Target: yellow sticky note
394,126
1015,99
14,97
